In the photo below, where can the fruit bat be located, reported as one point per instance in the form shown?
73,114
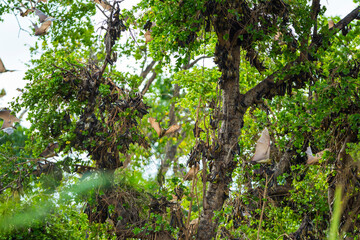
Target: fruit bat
192,173
8,118
314,159
42,16
160,131
262,150
49,150
2,67
44,27
147,36
105,4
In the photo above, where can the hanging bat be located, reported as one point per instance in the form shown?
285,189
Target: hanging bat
262,149
192,173
105,4
160,131
3,69
8,119
314,159
49,150
148,37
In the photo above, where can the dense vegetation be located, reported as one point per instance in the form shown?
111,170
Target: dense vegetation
98,90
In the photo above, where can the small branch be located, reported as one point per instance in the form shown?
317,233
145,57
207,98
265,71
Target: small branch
190,65
148,83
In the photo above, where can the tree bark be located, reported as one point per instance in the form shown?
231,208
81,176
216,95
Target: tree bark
222,170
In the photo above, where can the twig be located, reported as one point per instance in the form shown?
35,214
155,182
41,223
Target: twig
263,206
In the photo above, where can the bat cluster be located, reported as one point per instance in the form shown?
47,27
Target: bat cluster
225,61
107,124
115,26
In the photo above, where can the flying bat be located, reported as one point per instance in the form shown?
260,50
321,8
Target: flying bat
262,149
8,118
42,16
314,159
105,4
42,30
160,131
49,150
2,67
192,173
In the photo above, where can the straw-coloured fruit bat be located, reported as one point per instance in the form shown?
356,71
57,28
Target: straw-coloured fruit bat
147,36
8,119
160,131
2,68
45,21
105,4
50,150
262,150
192,173
314,159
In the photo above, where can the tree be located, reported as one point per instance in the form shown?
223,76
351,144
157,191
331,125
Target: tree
278,65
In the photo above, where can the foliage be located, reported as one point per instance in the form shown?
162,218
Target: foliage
278,65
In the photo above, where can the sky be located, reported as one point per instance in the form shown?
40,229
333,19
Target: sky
14,45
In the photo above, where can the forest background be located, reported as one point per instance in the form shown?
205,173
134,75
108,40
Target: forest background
216,73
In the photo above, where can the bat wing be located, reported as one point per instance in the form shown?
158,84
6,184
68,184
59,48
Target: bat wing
49,150
262,149
2,67
192,172
155,125
172,129
8,119
104,4
311,158
42,16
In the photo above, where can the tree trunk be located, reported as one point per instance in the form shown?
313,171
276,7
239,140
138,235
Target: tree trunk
224,165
